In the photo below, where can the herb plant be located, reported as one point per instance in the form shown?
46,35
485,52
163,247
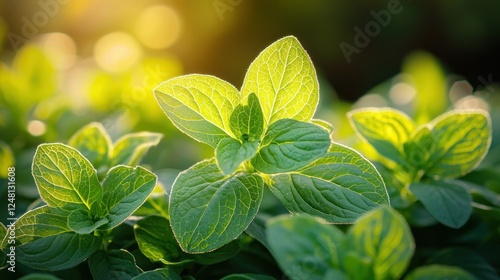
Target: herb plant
263,135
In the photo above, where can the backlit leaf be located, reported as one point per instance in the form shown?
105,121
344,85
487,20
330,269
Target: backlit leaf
290,144
199,105
129,149
93,142
338,187
125,189
65,178
463,139
384,128
209,209
284,79
384,239
247,121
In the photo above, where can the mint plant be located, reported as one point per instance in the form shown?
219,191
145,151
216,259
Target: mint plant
79,208
423,163
263,136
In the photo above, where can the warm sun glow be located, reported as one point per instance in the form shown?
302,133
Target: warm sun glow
60,49
158,27
117,52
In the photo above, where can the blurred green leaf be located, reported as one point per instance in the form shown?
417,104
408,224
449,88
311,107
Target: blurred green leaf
113,265
93,142
129,149
438,272
125,189
338,187
303,247
463,139
448,202
199,105
382,238
284,79
290,144
426,75
385,129
222,206
219,255
6,159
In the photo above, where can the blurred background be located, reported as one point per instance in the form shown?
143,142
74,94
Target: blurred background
66,63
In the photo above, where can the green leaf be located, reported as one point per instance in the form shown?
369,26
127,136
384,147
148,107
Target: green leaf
284,79
463,139
247,121
448,202
338,187
230,153
303,247
420,148
423,72
39,223
158,274
384,128
223,253
65,178
383,237
129,149
290,144
156,240
438,272
125,189
257,230
81,222
3,256
58,252
324,124
6,159
209,209
247,277
113,264
39,276
467,260
93,142
156,204
199,105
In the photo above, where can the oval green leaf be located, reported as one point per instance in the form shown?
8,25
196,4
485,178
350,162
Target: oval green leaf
125,189
385,129
338,187
463,139
303,247
199,105
93,142
156,240
439,272
247,121
81,222
209,209
448,202
58,252
129,149
230,153
113,264
382,238
284,79
65,178
290,144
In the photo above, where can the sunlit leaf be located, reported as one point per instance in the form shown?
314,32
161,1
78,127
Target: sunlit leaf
338,187
93,142
199,105
284,79
129,149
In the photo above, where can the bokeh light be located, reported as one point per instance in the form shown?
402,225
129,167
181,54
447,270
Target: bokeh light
59,48
158,27
117,52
